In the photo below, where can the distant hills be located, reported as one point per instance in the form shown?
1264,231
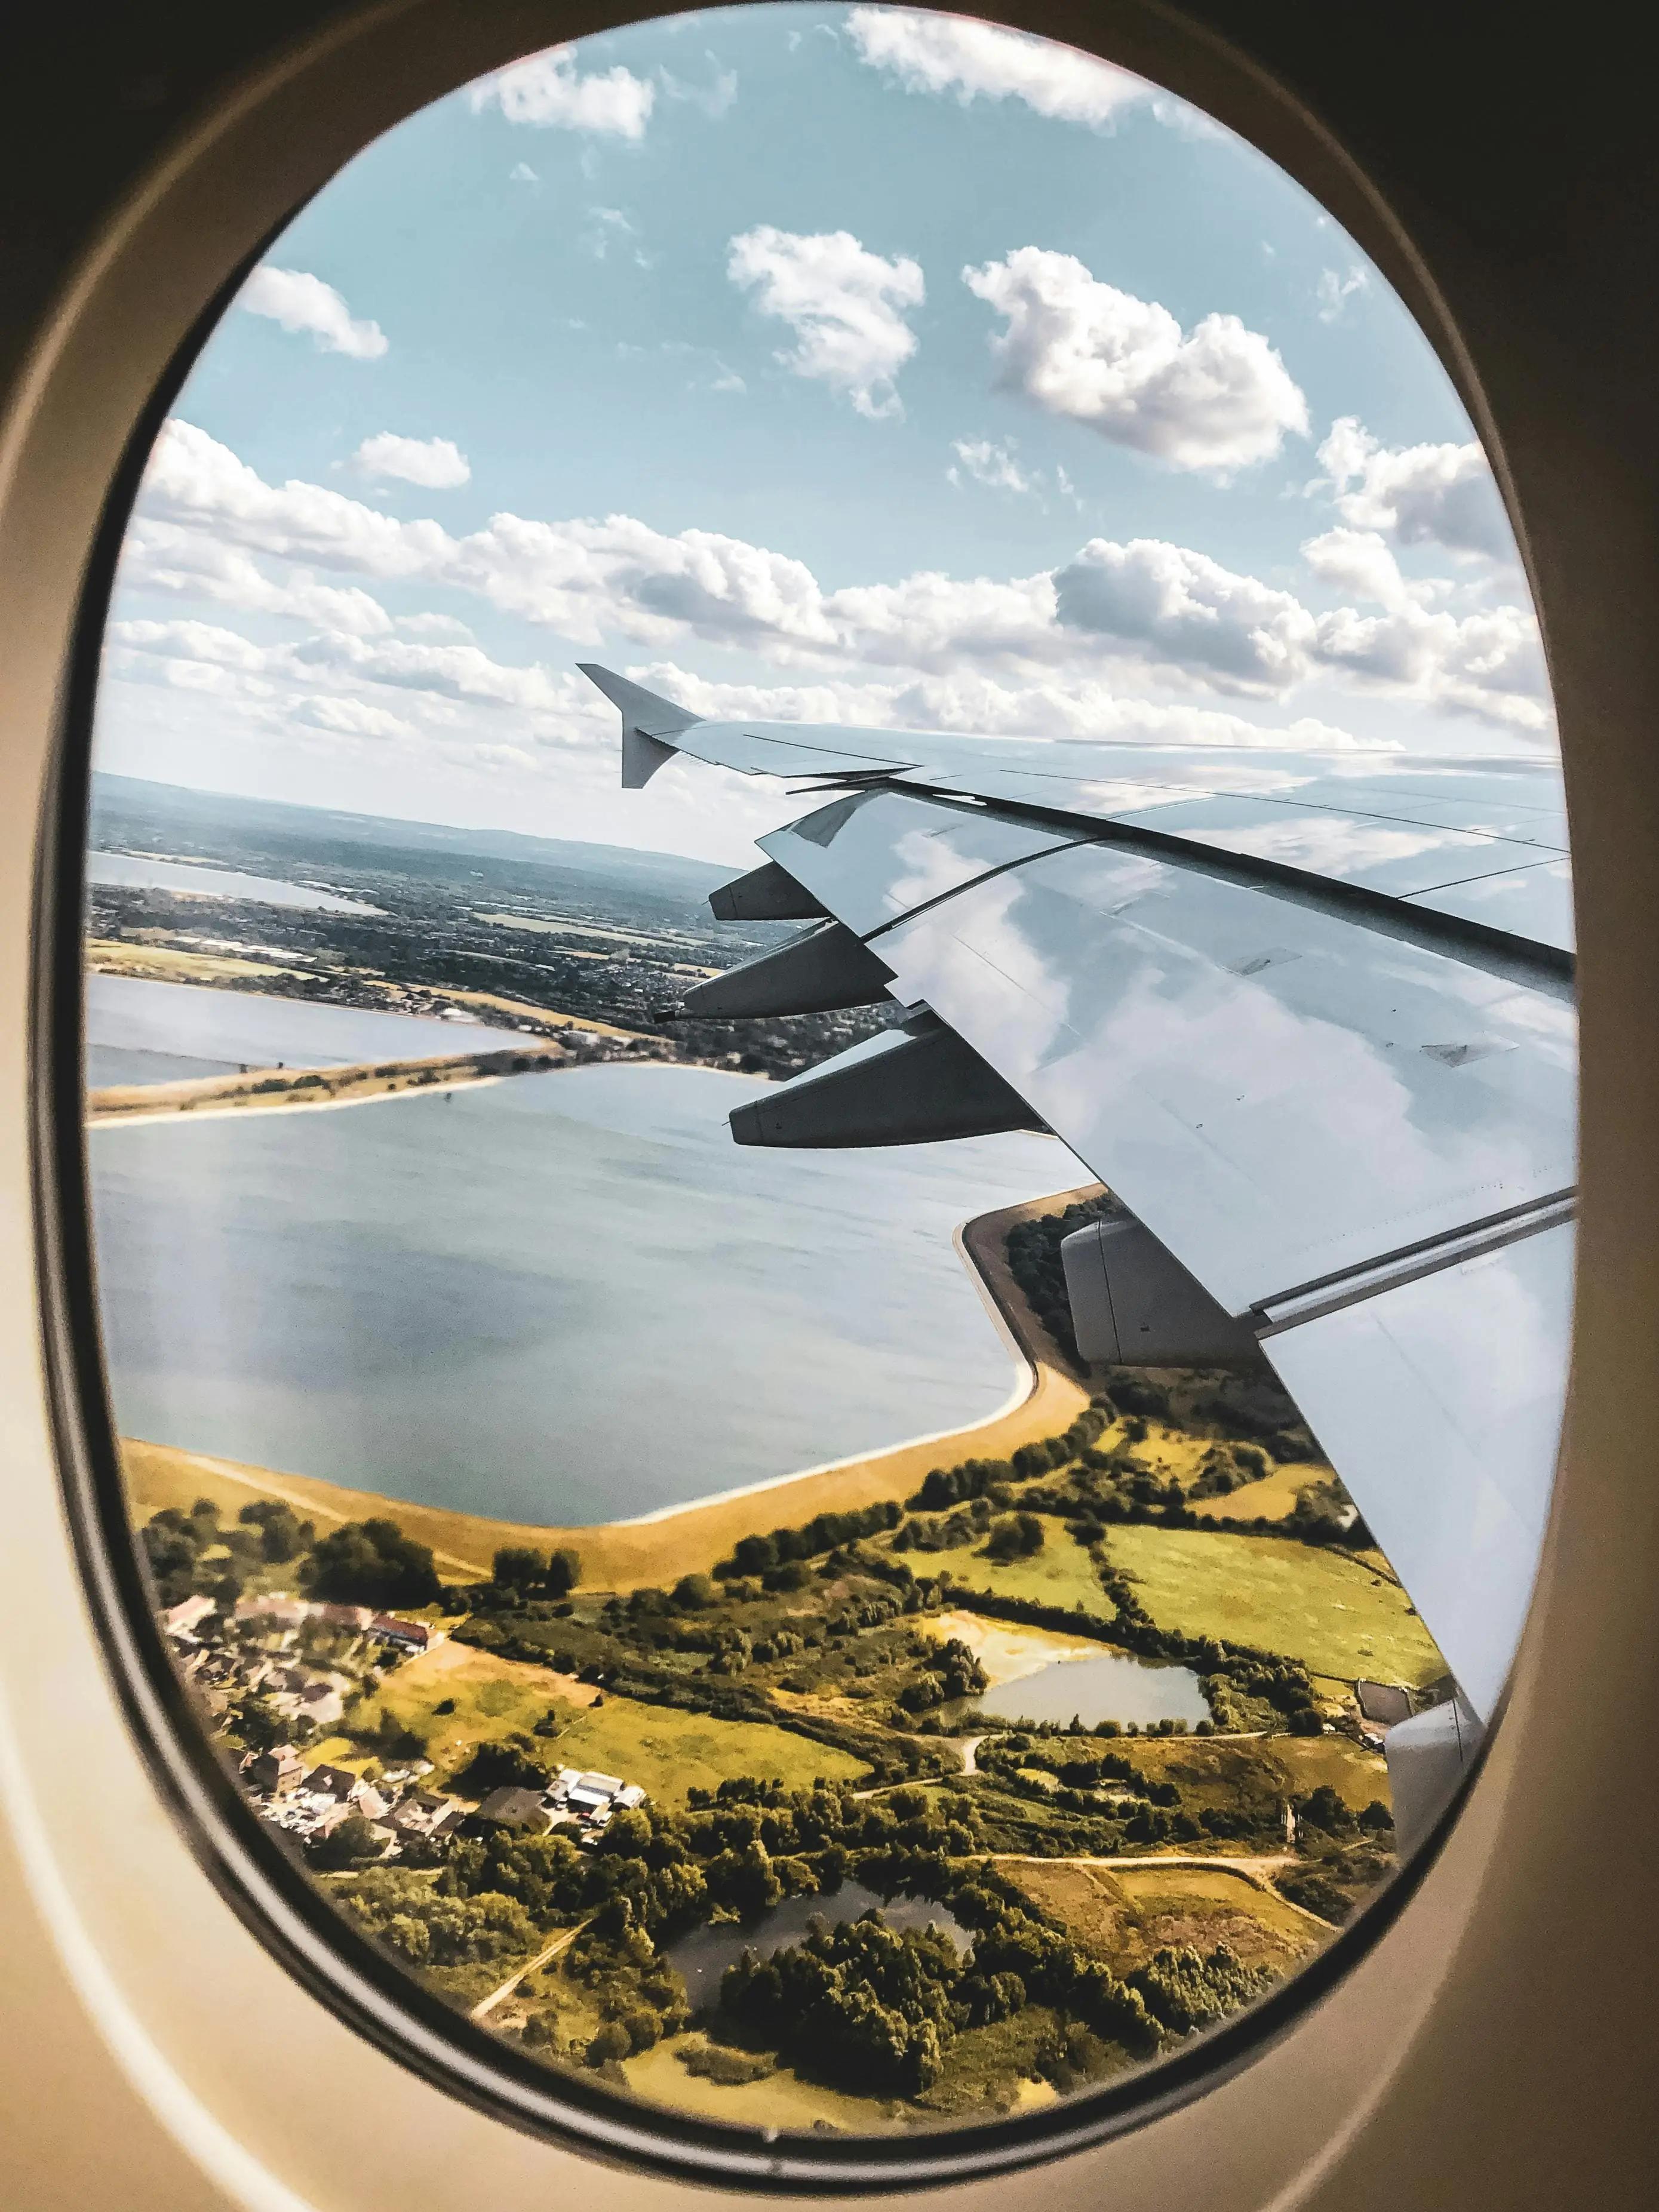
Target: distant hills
128,811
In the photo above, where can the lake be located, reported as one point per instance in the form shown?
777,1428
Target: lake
1111,1687
144,871
702,1956
569,1298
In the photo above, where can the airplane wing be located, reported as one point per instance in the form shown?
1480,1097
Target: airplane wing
1307,1015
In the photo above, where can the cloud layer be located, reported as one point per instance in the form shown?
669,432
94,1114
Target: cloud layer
1218,398
846,307
1140,611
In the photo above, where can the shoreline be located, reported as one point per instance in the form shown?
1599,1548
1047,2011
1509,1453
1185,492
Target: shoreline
689,1537
310,1090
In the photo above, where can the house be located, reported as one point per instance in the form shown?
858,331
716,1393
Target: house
334,1782
272,1773
424,1813
633,1797
515,1808
371,1804
411,1635
182,1620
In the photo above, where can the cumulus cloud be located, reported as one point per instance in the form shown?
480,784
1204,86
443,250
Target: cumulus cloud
353,718
1186,613
300,301
1359,562
979,61
1218,398
1416,494
434,463
549,92
1151,609
845,306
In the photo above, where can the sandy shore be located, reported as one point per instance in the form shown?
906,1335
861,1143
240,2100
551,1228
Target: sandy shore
661,1547
305,1090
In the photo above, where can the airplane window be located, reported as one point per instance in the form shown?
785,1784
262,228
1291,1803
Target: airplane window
830,1079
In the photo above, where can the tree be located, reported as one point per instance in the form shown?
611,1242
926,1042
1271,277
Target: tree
373,1562
353,1843
516,1566
564,1571
693,1593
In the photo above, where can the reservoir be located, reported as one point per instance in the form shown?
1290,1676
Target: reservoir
702,1956
1111,1687
569,1297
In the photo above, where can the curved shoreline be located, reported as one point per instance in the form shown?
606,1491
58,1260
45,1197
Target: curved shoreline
677,1539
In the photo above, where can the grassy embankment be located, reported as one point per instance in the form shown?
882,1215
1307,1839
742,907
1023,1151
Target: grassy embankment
161,964
626,1555
265,1089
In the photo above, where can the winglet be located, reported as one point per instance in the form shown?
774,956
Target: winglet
649,723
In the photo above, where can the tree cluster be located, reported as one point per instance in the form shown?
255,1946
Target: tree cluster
372,1562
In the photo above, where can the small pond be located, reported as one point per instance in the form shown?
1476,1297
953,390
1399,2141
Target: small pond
1109,1687
702,1956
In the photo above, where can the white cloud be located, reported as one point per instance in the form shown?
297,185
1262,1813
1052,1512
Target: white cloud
353,718
522,174
550,92
939,53
299,301
1217,398
716,99
845,306
1416,494
190,640
1154,611
1358,562
1186,613
988,464
434,463
1333,292
433,625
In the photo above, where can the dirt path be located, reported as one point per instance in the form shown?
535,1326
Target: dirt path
560,1944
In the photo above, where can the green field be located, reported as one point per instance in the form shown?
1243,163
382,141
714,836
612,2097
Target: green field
667,1752
1321,1607
1062,1573
1209,1774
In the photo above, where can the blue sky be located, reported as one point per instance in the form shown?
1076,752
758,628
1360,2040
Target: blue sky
811,362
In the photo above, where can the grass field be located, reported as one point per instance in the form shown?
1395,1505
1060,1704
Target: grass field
1126,1914
1329,1611
1270,1499
1212,1773
667,1752
781,2099
1062,1573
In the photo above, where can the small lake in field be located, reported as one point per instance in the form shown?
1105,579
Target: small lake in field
142,871
1111,1687
702,1956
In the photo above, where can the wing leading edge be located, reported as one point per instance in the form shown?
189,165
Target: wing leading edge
1307,1015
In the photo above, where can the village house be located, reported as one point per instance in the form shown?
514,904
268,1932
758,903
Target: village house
408,1635
510,1807
272,1773
424,1813
185,1617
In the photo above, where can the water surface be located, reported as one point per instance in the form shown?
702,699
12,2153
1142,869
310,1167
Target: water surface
144,872
569,1297
1111,1687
